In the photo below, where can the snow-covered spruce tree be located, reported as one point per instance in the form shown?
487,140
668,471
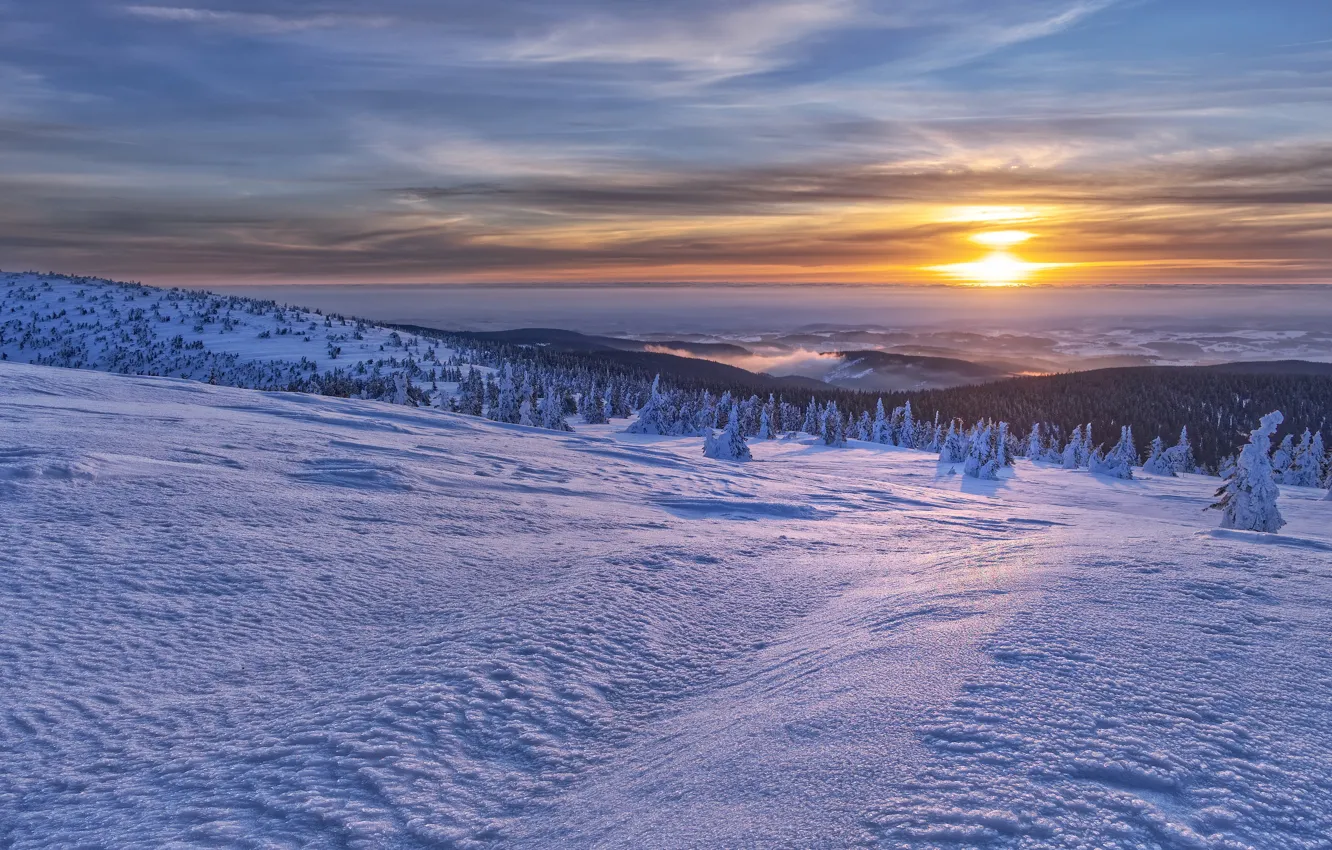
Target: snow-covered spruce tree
813,424
1035,447
1282,458
982,461
721,410
1128,447
1322,458
730,443
864,426
1072,458
1248,497
505,408
1004,445
774,412
765,426
652,416
954,448
1306,470
551,411
833,431
879,432
471,393
1181,454
906,435
1118,462
895,426
595,409
527,415
1157,462
936,436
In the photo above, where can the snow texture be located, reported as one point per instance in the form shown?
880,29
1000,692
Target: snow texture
246,619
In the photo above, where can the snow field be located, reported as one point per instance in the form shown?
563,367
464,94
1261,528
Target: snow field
278,620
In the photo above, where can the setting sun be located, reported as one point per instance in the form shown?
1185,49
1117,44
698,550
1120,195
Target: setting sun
1000,268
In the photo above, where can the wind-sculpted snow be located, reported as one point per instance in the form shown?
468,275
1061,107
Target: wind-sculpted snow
234,618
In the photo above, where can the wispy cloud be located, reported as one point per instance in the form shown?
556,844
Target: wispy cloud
721,42
258,22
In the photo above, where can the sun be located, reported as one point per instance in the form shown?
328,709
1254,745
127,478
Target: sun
1001,267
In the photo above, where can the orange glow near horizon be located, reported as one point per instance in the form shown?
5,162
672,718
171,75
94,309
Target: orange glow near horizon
1001,238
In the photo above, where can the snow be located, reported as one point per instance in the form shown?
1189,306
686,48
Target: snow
267,619
92,323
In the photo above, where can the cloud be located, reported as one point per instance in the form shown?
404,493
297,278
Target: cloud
724,42
256,22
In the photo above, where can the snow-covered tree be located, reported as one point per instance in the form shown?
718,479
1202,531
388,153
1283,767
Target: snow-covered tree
906,433
1072,458
550,411
595,410
954,448
863,426
1118,462
982,459
1128,447
1282,458
730,443
1004,445
1157,462
471,393
879,432
1035,447
936,436
813,424
833,432
765,426
1306,469
1248,498
652,416
1181,454
505,408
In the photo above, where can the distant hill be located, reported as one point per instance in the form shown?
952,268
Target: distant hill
574,341
883,371
1272,367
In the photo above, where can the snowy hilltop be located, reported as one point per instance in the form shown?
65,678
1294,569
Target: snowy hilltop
235,618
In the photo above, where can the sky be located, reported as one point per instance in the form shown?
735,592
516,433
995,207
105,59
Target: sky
967,142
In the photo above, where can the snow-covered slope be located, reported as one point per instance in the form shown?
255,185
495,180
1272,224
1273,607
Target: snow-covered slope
90,323
233,618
